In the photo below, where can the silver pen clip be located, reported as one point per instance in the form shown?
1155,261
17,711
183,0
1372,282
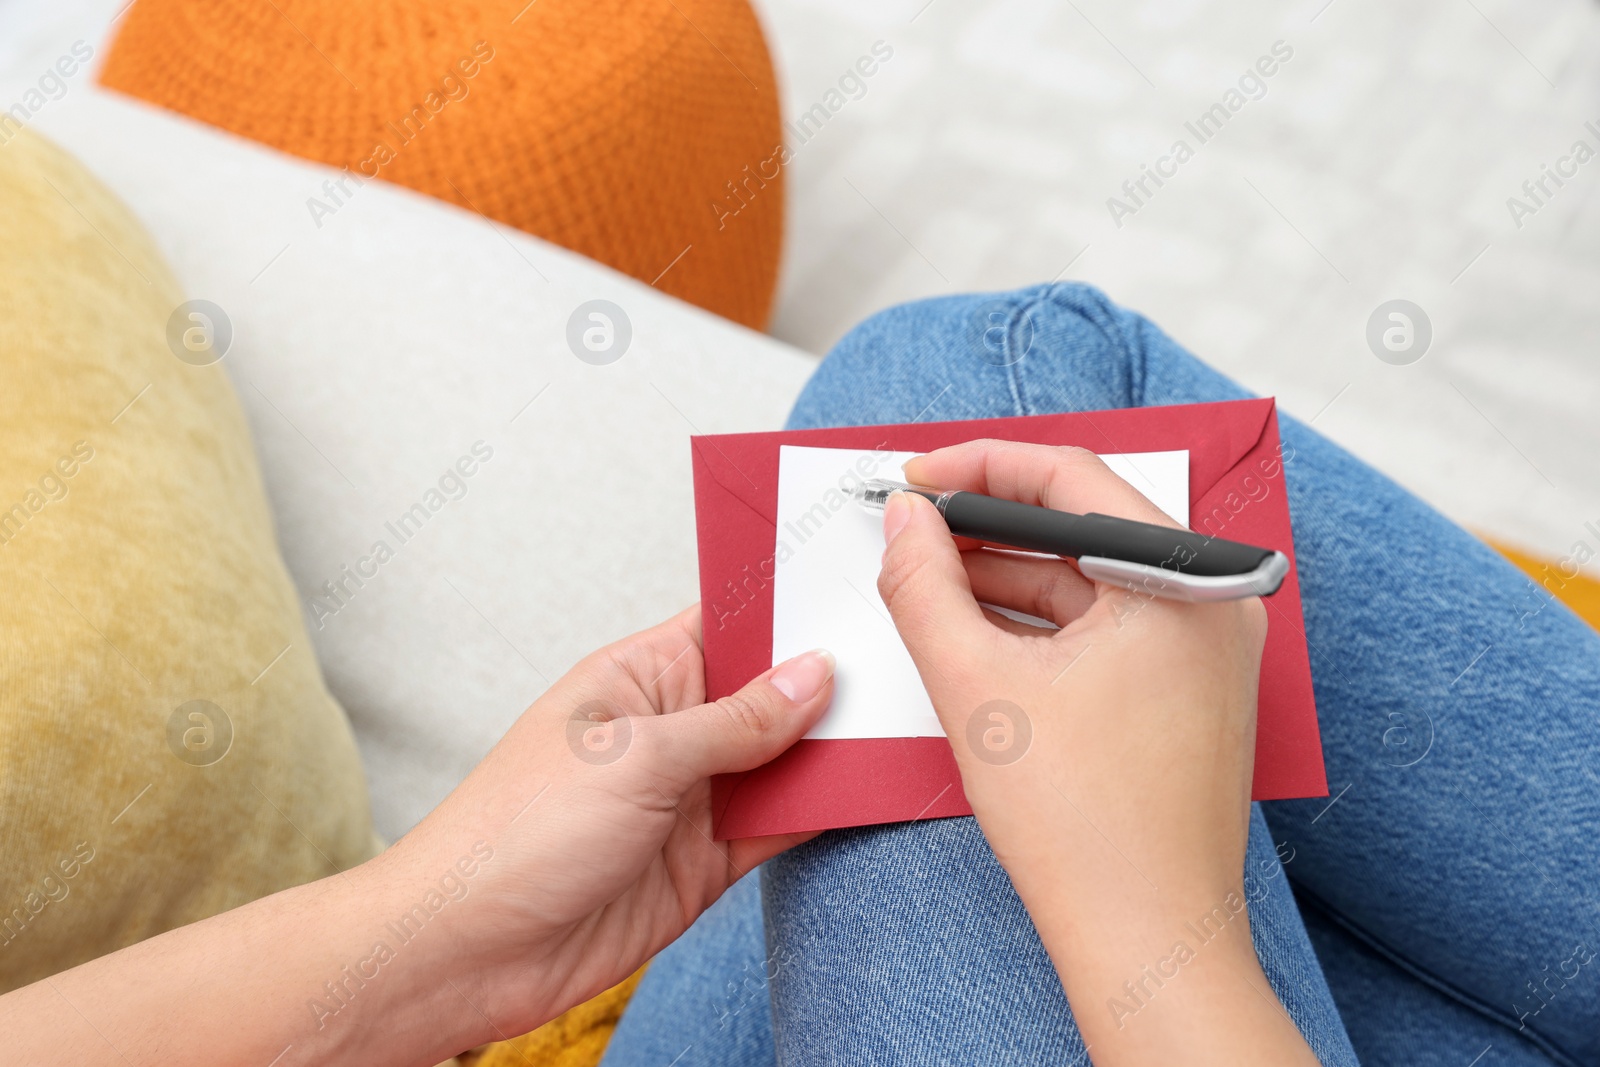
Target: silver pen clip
1175,585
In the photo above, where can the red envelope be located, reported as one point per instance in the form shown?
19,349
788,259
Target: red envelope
1236,491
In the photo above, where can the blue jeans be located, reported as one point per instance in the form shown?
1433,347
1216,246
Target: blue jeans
1439,908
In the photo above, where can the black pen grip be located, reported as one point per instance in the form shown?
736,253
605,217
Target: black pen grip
1036,529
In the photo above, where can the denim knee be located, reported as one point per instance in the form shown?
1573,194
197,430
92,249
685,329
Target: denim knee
1046,348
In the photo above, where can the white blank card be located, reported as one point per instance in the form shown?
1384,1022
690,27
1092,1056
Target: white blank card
825,589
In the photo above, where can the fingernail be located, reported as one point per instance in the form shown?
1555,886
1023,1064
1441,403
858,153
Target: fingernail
896,513
803,677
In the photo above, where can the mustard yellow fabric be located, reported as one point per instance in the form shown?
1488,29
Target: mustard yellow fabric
1561,579
576,1039
140,574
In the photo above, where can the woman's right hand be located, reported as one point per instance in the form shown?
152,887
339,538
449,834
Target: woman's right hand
1108,762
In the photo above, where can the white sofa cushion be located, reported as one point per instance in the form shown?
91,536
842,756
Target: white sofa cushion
399,339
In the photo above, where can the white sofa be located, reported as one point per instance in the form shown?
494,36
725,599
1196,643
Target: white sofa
370,356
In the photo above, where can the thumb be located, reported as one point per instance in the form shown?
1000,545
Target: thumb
924,584
753,726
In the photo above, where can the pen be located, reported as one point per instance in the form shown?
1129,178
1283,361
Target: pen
1158,560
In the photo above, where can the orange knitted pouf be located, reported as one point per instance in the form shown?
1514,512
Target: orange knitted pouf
641,133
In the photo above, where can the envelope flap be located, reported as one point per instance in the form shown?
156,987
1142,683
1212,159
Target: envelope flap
725,477
1226,442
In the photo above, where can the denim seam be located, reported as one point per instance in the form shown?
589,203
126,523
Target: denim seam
1055,294
1013,373
1305,896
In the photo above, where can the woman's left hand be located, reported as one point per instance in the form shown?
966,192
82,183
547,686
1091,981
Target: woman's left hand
588,828
577,849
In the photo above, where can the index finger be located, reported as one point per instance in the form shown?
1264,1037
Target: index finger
1060,477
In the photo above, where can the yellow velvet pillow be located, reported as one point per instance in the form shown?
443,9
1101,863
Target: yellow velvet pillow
167,747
